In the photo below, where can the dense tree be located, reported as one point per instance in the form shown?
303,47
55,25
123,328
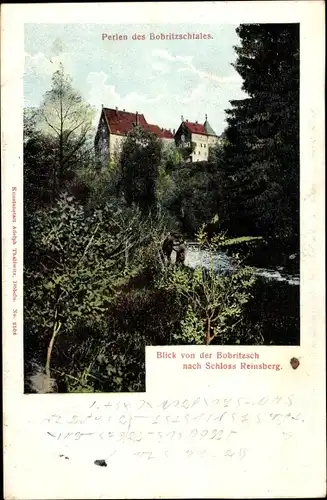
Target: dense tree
56,143
78,264
66,119
261,154
39,161
171,158
195,196
139,165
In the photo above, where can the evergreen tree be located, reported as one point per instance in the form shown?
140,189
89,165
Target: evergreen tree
261,155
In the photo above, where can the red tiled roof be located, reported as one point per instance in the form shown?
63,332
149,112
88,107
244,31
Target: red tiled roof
122,122
159,132
196,128
167,134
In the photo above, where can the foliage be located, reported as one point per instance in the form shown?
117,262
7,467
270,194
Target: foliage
95,187
39,170
194,195
261,152
78,264
165,186
66,119
187,151
171,158
216,152
109,356
56,143
191,329
139,163
215,301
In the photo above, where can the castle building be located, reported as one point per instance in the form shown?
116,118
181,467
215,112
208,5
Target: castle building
197,138
114,125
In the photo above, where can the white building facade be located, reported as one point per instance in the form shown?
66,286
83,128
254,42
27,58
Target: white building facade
197,138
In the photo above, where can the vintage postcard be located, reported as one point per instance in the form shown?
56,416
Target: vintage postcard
163,242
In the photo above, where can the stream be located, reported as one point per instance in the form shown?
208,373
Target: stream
275,306
223,263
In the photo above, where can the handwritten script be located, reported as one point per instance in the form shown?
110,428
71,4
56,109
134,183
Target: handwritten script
196,428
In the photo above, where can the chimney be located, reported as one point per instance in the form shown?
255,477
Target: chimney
186,120
102,106
182,118
137,117
123,109
116,110
196,121
173,131
206,116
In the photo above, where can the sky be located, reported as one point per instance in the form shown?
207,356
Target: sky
163,79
